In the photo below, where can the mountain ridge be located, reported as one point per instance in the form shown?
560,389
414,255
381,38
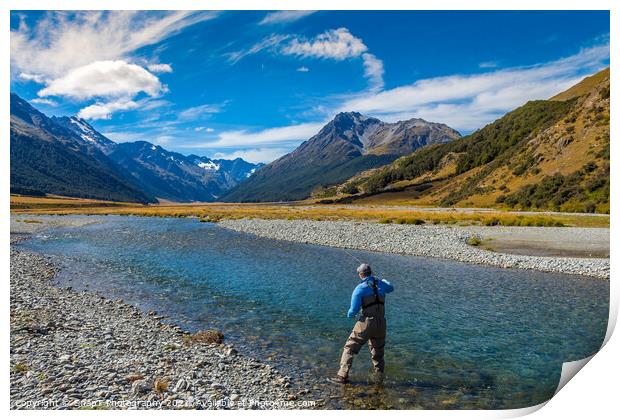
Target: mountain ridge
143,171
545,155
348,144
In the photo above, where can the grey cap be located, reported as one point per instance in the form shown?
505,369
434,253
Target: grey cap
364,270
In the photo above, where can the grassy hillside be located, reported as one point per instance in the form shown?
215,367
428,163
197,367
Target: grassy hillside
545,155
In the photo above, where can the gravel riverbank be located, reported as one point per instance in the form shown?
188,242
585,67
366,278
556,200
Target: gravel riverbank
73,349
448,242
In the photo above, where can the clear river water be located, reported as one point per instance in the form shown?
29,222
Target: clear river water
459,335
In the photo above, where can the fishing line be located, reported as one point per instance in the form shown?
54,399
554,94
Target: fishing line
357,259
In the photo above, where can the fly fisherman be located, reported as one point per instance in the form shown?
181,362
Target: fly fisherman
369,296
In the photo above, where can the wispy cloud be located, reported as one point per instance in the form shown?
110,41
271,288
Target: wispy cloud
62,41
303,69
159,68
269,136
373,70
467,102
488,65
258,155
285,16
199,112
44,101
267,43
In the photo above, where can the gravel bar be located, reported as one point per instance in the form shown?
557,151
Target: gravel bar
437,241
71,349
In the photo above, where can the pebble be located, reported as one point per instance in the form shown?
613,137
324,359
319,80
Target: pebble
436,241
78,345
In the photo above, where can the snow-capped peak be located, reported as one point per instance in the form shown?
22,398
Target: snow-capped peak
85,130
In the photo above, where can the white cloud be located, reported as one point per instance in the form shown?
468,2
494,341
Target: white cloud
88,54
268,43
236,138
104,79
467,102
373,70
159,68
258,155
488,65
37,78
205,129
303,69
104,111
337,44
44,101
285,16
62,41
199,111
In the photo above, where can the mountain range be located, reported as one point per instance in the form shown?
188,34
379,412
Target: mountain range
67,156
545,155
347,145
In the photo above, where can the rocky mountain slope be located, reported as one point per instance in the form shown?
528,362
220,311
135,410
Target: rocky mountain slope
551,154
347,145
48,158
149,171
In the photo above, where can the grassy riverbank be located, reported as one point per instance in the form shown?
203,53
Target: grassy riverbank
24,205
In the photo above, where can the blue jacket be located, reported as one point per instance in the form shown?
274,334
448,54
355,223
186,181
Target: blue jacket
363,289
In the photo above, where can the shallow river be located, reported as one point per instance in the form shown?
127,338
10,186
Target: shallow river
459,335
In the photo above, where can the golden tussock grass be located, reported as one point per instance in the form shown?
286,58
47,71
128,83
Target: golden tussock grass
213,212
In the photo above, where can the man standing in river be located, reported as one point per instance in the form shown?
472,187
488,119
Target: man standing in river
369,296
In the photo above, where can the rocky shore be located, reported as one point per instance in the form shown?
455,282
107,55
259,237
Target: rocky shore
71,349
437,241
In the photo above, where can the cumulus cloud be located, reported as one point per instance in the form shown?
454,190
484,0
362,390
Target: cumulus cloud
285,16
258,155
303,69
104,111
159,68
104,78
337,44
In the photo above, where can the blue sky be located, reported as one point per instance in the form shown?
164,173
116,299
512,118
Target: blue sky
256,84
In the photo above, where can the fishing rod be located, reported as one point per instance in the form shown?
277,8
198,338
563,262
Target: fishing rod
357,259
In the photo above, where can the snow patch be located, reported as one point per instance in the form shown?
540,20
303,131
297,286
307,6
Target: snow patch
209,166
